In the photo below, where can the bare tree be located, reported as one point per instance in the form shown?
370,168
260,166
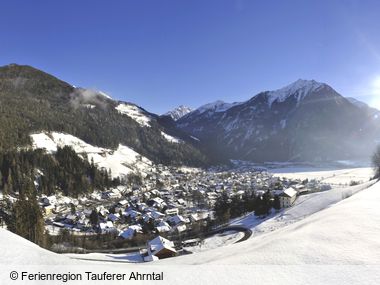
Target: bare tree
376,162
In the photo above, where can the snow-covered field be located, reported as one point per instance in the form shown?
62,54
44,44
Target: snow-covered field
218,240
133,257
121,161
327,174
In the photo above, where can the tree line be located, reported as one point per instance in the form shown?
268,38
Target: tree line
227,207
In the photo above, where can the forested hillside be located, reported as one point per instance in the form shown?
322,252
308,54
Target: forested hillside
31,101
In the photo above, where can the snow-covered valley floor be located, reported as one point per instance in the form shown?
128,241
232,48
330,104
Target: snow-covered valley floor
330,175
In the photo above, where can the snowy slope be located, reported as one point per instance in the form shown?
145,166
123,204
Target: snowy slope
170,138
299,89
134,113
121,161
338,245
217,106
344,234
19,251
305,206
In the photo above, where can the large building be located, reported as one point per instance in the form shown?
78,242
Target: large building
287,197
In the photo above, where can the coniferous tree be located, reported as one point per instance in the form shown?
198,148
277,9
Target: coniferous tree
276,203
28,220
94,218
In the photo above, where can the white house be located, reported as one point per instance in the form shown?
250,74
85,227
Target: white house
161,248
287,197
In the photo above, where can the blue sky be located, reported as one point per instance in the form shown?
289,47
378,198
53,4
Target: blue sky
162,53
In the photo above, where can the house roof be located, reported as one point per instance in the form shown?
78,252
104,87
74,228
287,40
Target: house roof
163,227
159,243
290,192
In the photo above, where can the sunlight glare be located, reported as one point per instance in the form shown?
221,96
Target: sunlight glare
375,93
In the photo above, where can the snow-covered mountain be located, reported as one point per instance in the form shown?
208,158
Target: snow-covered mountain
178,112
298,90
306,120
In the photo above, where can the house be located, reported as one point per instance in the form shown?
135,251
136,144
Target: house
48,209
195,217
123,203
114,217
173,211
107,227
161,248
287,197
163,227
49,201
301,189
191,242
180,228
129,233
177,219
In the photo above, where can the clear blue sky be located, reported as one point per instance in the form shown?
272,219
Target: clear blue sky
162,53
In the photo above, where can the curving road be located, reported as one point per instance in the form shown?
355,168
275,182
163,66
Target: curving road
247,232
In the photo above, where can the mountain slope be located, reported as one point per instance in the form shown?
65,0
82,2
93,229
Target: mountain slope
303,121
32,101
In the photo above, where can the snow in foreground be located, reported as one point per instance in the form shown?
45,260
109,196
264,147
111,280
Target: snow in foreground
346,233
218,240
304,206
339,244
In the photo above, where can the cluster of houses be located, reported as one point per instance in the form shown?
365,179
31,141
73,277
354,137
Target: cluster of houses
169,201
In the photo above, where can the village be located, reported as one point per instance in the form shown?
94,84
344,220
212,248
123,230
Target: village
169,209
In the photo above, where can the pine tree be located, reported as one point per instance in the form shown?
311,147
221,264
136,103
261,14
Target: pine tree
28,220
276,203
94,218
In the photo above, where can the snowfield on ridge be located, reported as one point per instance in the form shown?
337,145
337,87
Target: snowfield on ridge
121,161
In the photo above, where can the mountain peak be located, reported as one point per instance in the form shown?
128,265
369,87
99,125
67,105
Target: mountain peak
300,88
179,112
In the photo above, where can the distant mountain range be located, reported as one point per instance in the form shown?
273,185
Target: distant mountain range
304,121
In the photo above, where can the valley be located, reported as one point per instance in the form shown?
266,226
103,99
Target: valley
104,181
